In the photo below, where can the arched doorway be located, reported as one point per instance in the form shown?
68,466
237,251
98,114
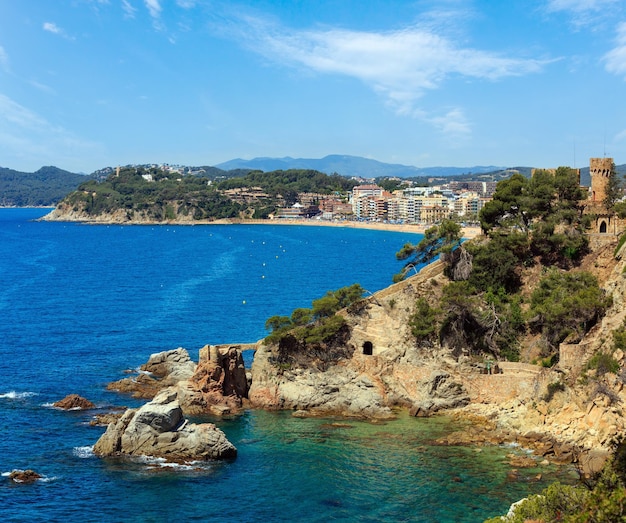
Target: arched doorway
602,227
368,348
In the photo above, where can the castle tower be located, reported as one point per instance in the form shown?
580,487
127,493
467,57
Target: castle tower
600,170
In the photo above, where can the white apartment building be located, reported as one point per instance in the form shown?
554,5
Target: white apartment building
414,205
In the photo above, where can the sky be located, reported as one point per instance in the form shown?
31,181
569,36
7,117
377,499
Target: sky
86,84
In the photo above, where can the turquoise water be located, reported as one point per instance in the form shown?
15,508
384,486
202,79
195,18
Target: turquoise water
79,304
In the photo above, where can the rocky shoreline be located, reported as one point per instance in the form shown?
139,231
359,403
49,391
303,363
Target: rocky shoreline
550,410
219,385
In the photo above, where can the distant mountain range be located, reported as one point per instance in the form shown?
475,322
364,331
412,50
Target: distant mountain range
346,165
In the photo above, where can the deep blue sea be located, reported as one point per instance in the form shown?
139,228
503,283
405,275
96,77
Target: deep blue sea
80,304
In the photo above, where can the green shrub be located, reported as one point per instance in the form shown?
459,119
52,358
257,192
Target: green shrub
556,503
619,338
565,303
323,331
603,363
549,361
620,243
423,321
552,389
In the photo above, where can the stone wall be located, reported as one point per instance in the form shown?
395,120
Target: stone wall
519,381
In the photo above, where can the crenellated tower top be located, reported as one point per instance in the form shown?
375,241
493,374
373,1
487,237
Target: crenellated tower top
600,171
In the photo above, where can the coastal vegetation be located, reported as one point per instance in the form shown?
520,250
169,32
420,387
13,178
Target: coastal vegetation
43,188
566,304
535,222
154,194
292,181
439,239
599,499
315,333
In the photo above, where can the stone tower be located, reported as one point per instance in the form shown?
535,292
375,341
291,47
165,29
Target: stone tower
600,170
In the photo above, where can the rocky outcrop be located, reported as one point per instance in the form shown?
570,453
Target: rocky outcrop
163,369
173,365
340,390
73,402
24,476
219,385
379,368
441,393
158,429
385,367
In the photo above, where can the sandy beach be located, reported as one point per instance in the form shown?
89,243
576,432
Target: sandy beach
468,232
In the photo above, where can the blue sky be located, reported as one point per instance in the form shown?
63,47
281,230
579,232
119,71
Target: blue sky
86,84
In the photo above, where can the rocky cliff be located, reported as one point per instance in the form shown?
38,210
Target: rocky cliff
379,366
385,368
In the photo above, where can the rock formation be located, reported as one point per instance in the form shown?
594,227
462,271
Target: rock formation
74,402
163,369
217,385
339,390
551,410
158,429
441,393
24,476
383,367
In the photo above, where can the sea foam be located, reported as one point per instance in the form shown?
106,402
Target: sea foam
13,395
83,452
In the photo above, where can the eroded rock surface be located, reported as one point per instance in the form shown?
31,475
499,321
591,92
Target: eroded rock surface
218,386
215,386
441,393
163,369
158,429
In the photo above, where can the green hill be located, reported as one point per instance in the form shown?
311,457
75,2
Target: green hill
43,188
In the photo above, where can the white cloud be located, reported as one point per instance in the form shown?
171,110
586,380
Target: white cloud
588,14
186,4
26,136
154,7
51,27
17,115
453,123
578,6
129,9
399,65
615,60
42,87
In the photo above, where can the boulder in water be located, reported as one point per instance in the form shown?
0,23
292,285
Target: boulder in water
24,476
158,429
74,402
